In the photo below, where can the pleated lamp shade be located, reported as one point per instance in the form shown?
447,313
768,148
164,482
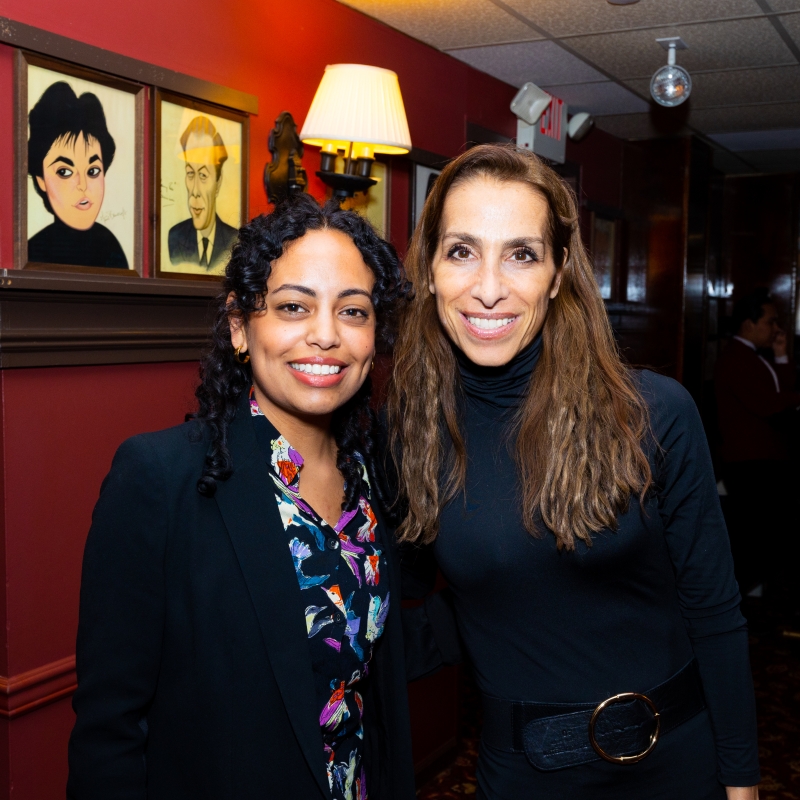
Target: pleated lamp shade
358,104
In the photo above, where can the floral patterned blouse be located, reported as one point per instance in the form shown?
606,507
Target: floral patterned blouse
345,602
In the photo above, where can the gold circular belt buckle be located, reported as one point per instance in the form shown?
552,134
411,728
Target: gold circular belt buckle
622,698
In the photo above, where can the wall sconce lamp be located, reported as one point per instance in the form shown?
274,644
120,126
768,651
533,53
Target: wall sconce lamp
285,175
358,112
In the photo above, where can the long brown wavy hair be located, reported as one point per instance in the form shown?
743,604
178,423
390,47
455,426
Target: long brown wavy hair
579,432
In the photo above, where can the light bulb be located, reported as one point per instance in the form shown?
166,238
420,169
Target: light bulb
671,85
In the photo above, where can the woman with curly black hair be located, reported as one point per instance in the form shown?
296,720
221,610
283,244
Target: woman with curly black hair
239,633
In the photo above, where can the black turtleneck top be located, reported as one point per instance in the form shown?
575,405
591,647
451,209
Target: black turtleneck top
622,615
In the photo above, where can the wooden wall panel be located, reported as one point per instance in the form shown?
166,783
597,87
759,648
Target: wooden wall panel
648,317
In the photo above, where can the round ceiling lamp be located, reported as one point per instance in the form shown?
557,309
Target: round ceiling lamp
622,2
671,85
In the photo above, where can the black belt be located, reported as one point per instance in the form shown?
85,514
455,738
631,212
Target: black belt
622,729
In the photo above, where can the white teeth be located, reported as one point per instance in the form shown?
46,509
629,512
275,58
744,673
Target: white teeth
316,369
489,324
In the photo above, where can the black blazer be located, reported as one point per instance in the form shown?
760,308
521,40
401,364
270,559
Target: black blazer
194,673
182,243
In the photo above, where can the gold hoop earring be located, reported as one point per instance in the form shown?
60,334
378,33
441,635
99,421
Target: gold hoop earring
241,359
373,365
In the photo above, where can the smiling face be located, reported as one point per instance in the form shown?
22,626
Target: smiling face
311,348
202,185
493,274
74,180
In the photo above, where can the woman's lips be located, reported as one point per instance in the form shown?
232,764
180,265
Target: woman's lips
84,204
504,324
321,373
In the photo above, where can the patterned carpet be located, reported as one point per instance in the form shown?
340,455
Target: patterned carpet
776,674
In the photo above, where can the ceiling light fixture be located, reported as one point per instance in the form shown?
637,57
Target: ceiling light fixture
671,85
622,2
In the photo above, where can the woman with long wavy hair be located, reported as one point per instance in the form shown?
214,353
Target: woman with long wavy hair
239,631
571,505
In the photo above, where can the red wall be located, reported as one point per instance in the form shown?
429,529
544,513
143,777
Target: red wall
60,426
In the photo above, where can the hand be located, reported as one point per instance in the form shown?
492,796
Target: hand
779,344
742,792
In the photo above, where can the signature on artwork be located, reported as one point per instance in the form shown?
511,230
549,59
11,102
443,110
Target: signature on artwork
106,216
168,194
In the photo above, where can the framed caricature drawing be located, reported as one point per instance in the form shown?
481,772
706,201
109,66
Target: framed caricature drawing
201,174
80,169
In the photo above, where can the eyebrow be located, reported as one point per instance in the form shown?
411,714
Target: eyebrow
94,158
354,292
64,159
295,287
524,241
520,241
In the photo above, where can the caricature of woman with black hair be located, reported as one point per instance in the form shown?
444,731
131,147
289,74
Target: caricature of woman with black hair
69,153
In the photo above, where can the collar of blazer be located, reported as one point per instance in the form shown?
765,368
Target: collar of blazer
251,517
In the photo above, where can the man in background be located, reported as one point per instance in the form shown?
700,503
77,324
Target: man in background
203,239
754,395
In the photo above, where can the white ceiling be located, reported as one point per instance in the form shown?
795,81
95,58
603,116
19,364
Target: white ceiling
743,56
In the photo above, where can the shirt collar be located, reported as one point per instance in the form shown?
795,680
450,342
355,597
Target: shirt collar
746,342
212,233
285,461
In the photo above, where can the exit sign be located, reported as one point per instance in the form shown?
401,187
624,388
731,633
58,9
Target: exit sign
548,137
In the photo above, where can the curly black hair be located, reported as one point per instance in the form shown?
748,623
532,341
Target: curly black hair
223,379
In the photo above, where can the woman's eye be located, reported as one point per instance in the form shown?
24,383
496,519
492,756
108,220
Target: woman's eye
459,251
523,255
93,172
63,172
355,313
291,308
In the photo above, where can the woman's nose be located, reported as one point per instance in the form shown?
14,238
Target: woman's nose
489,286
323,331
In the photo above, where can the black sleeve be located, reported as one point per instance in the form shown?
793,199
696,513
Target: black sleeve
699,547
429,628
120,629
